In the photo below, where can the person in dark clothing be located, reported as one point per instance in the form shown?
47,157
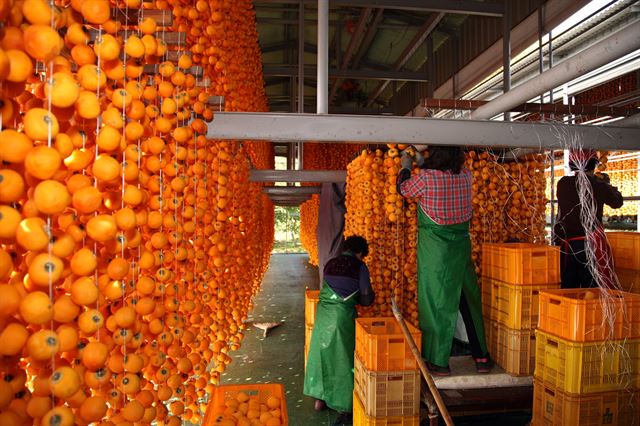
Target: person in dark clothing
329,372
569,231
330,223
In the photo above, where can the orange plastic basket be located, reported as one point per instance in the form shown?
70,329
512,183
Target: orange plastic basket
581,368
308,330
225,392
515,350
577,315
552,407
626,249
360,418
381,345
521,263
629,280
486,289
311,298
387,393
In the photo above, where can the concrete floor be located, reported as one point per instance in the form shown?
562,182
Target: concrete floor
280,356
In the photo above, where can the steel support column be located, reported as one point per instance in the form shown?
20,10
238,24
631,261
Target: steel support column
323,57
413,130
506,53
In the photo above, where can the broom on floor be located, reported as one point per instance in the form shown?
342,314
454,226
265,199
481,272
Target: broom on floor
423,368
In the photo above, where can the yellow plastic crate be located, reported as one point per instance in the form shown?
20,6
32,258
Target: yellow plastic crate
361,419
381,345
311,298
581,368
521,263
223,393
387,393
514,350
626,249
518,306
552,407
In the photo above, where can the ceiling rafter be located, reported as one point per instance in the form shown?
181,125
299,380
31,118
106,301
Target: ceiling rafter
465,7
280,70
354,44
372,29
406,54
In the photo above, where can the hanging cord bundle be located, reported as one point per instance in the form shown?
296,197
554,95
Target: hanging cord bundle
599,260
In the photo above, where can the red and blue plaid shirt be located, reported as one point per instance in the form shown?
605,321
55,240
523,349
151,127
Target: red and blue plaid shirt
444,197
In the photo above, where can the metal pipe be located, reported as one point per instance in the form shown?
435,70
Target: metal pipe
540,51
285,127
633,121
300,76
301,58
323,57
506,53
613,47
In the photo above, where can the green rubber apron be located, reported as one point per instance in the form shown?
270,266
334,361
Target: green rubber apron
329,372
445,270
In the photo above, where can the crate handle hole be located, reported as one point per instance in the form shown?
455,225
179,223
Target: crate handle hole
550,392
552,343
555,301
396,340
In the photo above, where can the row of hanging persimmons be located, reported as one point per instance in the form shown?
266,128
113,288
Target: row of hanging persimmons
130,244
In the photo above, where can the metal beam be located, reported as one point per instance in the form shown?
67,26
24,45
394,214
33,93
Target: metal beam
291,190
362,74
406,54
464,7
615,46
463,104
413,130
633,121
286,199
298,175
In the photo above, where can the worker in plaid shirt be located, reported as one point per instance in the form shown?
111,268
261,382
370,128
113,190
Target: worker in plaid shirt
447,280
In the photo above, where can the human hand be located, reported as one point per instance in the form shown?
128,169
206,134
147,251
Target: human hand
406,161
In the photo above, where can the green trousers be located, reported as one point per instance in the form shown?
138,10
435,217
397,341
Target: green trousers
329,372
445,271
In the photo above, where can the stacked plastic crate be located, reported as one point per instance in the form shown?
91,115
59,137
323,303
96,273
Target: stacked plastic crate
587,358
386,375
514,274
626,255
311,298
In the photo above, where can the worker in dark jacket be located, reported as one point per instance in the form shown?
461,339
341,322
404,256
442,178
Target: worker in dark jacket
329,372
577,267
